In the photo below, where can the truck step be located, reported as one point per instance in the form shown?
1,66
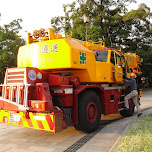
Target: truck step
121,102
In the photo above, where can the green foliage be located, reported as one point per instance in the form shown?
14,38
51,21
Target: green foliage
105,18
110,21
9,44
147,63
139,136
140,31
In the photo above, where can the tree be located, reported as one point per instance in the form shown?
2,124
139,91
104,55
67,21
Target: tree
109,21
146,64
139,29
9,44
105,18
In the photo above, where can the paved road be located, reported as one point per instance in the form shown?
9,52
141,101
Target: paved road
17,139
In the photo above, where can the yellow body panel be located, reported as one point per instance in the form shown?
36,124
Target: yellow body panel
53,54
65,55
106,72
42,56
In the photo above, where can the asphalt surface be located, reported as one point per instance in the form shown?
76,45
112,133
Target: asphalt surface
105,139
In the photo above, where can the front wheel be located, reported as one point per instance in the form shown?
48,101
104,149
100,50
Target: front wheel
89,111
130,112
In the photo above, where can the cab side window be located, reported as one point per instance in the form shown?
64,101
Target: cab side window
101,56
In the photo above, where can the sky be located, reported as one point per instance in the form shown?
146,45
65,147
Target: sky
37,14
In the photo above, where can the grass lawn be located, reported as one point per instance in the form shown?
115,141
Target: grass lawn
138,137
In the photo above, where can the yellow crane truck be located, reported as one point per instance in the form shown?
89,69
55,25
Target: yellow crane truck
61,81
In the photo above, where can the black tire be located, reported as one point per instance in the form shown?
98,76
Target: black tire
77,127
89,112
130,112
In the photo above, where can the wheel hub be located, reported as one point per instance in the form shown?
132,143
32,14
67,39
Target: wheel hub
91,112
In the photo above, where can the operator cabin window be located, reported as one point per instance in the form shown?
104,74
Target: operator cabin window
101,56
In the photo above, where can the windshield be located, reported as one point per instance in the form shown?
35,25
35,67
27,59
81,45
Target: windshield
101,56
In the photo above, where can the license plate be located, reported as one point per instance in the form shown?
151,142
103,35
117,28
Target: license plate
16,117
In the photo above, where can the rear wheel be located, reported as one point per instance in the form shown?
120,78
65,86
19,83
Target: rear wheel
89,112
130,112
77,127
